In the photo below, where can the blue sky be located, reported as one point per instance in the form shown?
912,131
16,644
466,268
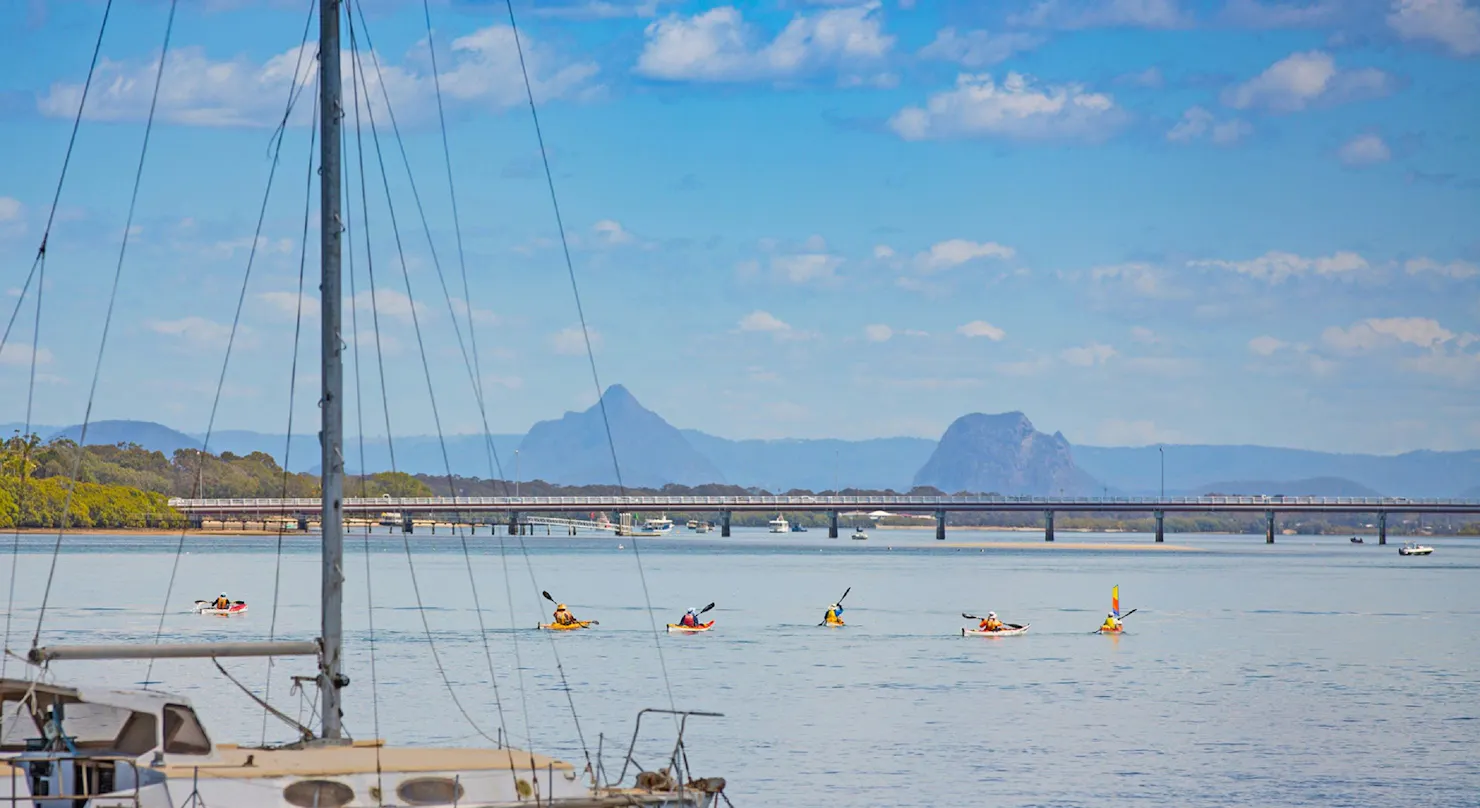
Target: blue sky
1134,220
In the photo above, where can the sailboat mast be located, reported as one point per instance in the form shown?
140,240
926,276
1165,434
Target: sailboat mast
331,402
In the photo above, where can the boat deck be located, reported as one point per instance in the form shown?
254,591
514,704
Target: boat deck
362,757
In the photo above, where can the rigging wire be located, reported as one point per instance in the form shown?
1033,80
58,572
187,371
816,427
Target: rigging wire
199,482
586,337
277,571
395,230
107,321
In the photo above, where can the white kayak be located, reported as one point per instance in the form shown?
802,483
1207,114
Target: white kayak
1007,630
209,608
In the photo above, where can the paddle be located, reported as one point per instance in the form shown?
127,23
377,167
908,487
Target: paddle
557,603
1122,617
840,602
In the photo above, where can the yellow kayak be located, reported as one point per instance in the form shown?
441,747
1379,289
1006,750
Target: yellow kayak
568,626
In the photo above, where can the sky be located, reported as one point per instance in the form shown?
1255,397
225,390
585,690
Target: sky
1136,221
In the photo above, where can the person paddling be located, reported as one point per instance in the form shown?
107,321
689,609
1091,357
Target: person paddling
990,623
1111,624
690,618
222,602
834,615
563,617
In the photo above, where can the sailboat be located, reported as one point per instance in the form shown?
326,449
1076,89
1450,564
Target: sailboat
99,748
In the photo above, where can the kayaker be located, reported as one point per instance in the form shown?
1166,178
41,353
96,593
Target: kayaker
690,618
834,616
990,623
1112,623
563,617
222,602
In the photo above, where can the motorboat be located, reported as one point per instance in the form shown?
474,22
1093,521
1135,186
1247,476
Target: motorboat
798,529
390,518
859,534
1415,549
780,525
1357,540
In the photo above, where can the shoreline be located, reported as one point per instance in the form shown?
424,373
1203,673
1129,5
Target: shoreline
1061,545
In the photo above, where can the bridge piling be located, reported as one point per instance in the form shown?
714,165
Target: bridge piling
513,523
1382,527
303,524
724,524
1048,525
406,524
1160,526
832,524
1269,527
940,525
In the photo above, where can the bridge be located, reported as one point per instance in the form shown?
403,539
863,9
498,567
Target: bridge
515,508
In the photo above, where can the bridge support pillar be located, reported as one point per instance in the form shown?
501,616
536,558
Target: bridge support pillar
940,525
197,521
832,524
1382,527
303,523
724,524
1161,535
1269,527
1048,525
406,524
513,523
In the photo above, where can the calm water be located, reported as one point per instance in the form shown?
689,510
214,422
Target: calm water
1308,673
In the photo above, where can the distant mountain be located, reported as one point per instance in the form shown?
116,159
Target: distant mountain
1004,454
1193,468
151,436
816,465
574,449
1312,487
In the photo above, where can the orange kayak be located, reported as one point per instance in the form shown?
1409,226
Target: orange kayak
567,626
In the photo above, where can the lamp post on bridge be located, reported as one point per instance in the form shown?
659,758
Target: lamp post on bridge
1161,453
516,474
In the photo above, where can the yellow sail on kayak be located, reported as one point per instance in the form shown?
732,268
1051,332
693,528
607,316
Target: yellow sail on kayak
1115,600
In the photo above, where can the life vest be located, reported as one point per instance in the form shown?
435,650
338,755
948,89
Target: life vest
223,603
832,617
564,618
688,620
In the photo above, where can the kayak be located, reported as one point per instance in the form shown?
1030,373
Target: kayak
208,607
1008,630
567,626
1102,630
674,628
838,624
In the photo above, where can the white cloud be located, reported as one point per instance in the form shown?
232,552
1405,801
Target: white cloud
1266,345
611,232
1197,122
977,48
1119,432
10,209
1150,78
572,341
878,332
763,321
193,330
955,252
1073,14
1017,109
1423,332
1364,150
1141,333
287,303
806,267
390,303
1276,266
1144,279
1455,24
1254,14
18,354
1302,79
982,328
227,249
598,9
1095,353
482,69
718,45
883,252
1458,270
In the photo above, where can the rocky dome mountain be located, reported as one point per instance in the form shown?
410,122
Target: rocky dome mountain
574,451
1004,454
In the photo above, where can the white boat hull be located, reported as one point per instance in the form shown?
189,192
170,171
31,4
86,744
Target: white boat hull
1011,630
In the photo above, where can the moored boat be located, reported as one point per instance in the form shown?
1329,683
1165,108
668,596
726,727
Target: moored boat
780,525
1415,549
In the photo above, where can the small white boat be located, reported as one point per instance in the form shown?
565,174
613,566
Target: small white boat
859,534
1007,630
390,518
1413,548
780,525
693,524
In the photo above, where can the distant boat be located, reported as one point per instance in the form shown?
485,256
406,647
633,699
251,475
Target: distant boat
648,528
1356,540
1412,549
780,525
390,518
704,527
693,524
859,534
798,529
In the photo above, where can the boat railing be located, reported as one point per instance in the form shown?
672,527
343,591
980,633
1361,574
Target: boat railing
19,764
677,760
